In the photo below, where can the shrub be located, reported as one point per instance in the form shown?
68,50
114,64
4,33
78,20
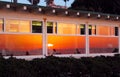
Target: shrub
61,67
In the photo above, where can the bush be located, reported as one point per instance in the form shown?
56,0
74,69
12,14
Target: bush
61,67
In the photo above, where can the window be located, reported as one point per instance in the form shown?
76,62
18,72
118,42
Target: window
49,27
112,31
108,30
104,30
37,26
24,26
17,26
116,31
1,25
92,30
65,28
82,29
55,28
12,26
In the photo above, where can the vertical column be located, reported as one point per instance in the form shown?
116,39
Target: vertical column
87,38
119,37
44,40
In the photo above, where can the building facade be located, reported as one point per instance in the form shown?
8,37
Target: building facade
28,30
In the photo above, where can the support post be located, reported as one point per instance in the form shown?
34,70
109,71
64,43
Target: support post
87,38
44,40
119,38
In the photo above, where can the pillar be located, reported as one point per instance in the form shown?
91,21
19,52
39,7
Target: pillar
44,38
87,38
119,38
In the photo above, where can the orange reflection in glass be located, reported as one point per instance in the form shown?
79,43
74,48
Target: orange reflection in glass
103,42
20,42
66,42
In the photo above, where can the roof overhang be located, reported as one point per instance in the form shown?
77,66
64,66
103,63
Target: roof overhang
56,11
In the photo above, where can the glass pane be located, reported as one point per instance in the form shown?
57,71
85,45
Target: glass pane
1,25
12,26
103,30
49,27
82,29
116,31
64,28
90,29
24,26
93,30
17,26
112,31
64,45
55,28
21,44
37,26
103,44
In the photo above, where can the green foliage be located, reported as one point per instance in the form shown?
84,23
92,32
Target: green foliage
34,2
104,6
51,66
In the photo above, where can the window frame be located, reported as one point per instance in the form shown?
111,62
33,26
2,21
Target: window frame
67,23
18,25
41,27
2,27
84,28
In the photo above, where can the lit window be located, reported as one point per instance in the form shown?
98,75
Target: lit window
12,26
24,26
104,30
49,27
37,26
64,28
116,31
82,29
1,25
94,30
17,26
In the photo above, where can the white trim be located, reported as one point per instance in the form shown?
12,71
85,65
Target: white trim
84,55
87,39
44,39
31,57
30,26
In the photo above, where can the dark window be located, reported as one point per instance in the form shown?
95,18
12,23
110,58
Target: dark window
56,28
90,30
116,31
36,26
94,30
49,27
82,29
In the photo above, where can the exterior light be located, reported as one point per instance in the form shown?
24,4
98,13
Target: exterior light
53,11
66,12
99,16
117,18
88,14
24,7
50,45
78,13
39,9
8,6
